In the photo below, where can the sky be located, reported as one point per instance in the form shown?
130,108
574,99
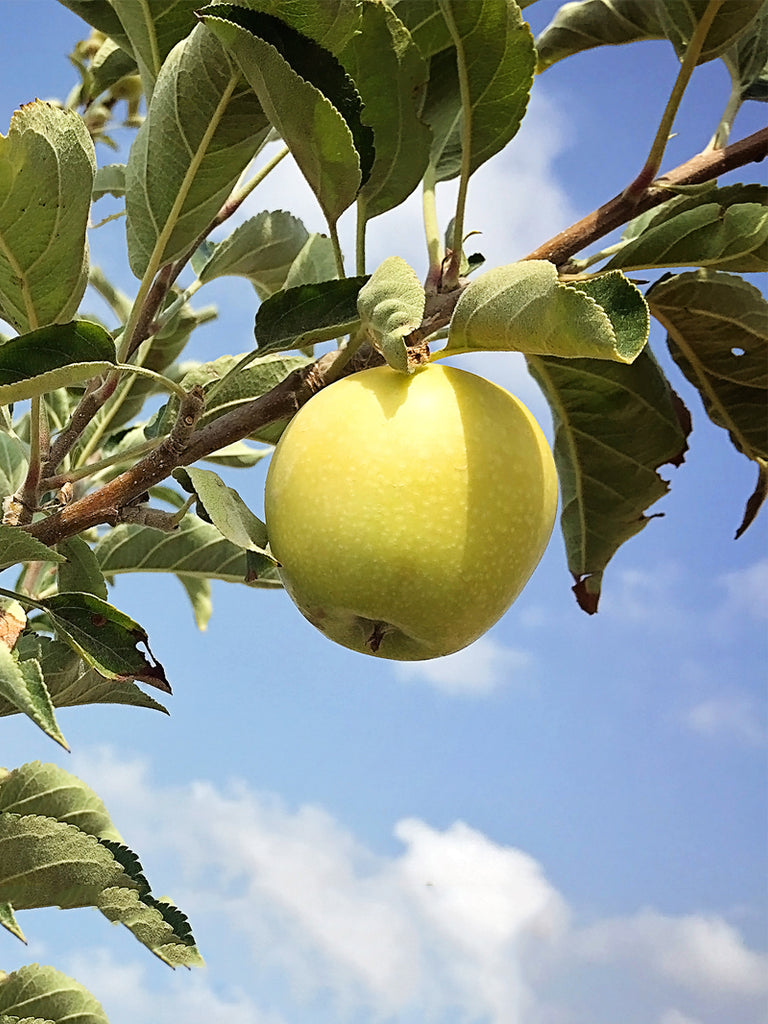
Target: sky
563,824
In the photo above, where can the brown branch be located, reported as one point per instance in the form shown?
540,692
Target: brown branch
622,208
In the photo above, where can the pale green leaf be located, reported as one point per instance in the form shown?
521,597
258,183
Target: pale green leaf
50,791
47,165
496,50
262,248
81,570
108,66
199,594
157,924
391,76
426,24
717,332
17,546
196,549
747,60
523,307
203,126
22,686
152,30
109,180
239,454
47,994
391,305
615,425
314,263
13,464
227,511
9,922
307,96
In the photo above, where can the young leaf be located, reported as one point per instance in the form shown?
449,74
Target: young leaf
391,76
48,994
391,305
196,549
153,30
81,570
523,307
23,687
226,509
16,546
48,790
717,332
105,637
310,313
308,98
615,425
203,126
47,166
56,356
262,248
725,228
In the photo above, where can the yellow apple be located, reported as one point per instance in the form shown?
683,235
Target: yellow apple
408,511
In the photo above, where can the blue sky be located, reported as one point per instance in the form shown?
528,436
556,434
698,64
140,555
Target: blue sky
564,824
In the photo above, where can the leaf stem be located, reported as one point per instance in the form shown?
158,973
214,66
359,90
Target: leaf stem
338,254
690,60
720,138
360,230
431,231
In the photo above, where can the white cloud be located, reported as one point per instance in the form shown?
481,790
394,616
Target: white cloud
747,591
479,669
733,716
453,927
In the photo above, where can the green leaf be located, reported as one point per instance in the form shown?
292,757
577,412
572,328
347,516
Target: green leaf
102,16
17,546
81,571
391,305
679,19
108,66
391,76
523,307
615,425
23,687
310,313
238,455
49,995
47,166
314,263
153,30
70,683
426,24
331,23
199,594
224,507
589,23
9,922
717,332
104,637
156,923
203,127
747,61
263,249
56,356
195,550
109,180
725,228
497,53
308,98
13,464
48,790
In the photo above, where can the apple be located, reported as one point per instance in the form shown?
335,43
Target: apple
408,511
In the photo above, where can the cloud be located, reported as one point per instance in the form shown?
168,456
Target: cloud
731,717
746,591
478,670
451,927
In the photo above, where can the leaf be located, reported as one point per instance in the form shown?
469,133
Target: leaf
725,228
81,571
47,992
263,249
153,30
315,262
70,683
203,127
109,180
105,637
426,24
56,356
13,464
157,924
391,305
108,66
747,62
308,98
23,687
589,23
331,23
523,307
310,313
48,790
717,333
47,166
9,922
195,550
496,51
615,425
224,507
391,76
102,16
17,546
239,454
679,19
199,594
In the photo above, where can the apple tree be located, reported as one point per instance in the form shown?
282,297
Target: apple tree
103,432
